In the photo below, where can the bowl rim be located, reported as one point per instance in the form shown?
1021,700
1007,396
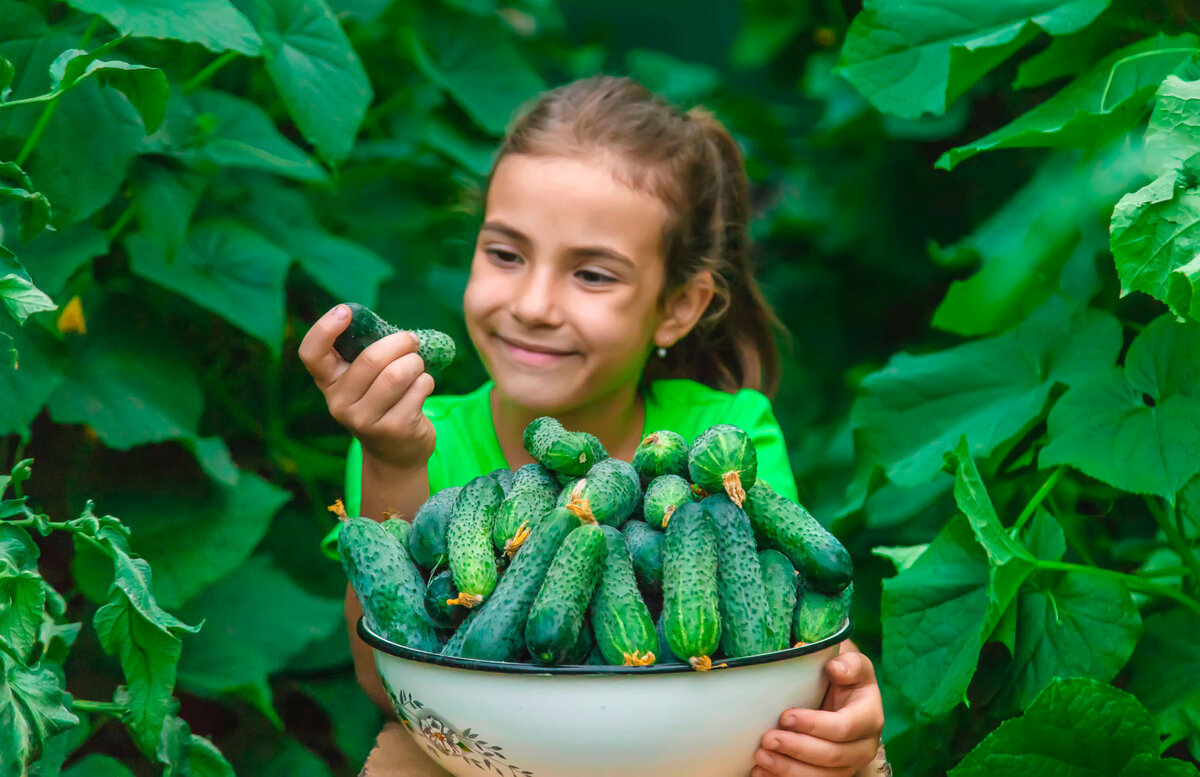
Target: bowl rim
388,647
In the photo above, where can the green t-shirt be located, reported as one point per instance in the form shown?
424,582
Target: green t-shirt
467,446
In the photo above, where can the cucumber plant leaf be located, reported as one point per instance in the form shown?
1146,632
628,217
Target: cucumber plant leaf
315,69
22,591
1147,765
35,208
30,382
915,410
97,765
214,24
34,706
1173,134
1164,672
1070,55
20,296
1136,427
145,87
911,58
1096,108
1074,728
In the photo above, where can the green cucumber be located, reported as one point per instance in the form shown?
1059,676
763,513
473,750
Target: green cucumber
582,648
744,607
620,618
820,615
608,493
723,459
646,547
469,540
664,495
561,604
440,590
504,477
555,448
537,477
664,654
595,657
427,538
564,496
661,453
400,529
496,631
387,584
518,513
435,348
817,555
780,578
690,599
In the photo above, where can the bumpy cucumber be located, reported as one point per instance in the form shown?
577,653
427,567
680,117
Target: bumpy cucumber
663,497
440,590
780,578
646,547
820,615
664,654
609,493
744,607
469,540
620,618
387,584
400,529
558,611
496,631
504,477
435,348
535,476
661,453
817,555
723,459
552,446
427,538
517,515
690,600
583,646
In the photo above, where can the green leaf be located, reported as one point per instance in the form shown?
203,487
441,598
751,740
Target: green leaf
1070,55
214,24
1137,428
166,200
205,760
145,87
22,591
29,383
35,208
1155,238
914,410
1150,765
1173,134
317,72
146,640
902,557
1023,246
20,296
1044,537
680,82
7,72
97,765
228,522
1096,108
34,706
1164,672
257,620
226,268
355,720
767,27
910,58
1075,728
54,257
474,60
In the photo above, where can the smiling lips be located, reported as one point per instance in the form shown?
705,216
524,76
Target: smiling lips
532,354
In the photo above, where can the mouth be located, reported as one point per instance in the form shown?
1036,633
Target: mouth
533,354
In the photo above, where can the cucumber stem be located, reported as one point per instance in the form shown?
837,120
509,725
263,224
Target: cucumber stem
1178,543
1036,501
732,481
1133,581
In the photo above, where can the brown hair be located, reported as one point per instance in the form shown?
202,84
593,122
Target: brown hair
691,162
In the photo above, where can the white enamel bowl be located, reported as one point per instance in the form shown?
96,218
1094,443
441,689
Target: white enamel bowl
516,720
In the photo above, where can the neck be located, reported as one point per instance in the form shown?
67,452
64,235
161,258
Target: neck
616,419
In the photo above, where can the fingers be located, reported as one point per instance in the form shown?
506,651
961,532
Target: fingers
780,747
385,393
406,415
851,669
316,349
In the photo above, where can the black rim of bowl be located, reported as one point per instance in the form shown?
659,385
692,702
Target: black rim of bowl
412,654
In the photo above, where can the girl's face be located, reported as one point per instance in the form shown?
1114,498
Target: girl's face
563,298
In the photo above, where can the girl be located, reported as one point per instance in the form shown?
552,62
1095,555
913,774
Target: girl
610,288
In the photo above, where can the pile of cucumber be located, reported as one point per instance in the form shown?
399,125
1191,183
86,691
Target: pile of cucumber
680,556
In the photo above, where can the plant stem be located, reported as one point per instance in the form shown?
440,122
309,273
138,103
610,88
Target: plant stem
208,70
1037,499
1133,581
104,708
38,128
121,222
1179,544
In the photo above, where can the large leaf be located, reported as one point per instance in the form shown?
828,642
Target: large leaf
316,70
214,24
22,591
911,58
1173,134
915,409
52,258
1075,728
1164,672
1099,106
145,87
34,706
35,208
20,296
146,640
225,268
257,620
473,59
166,200
1155,239
28,385
97,765
1137,428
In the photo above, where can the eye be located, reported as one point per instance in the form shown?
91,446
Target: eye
595,278
502,257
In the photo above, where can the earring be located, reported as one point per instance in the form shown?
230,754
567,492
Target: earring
662,353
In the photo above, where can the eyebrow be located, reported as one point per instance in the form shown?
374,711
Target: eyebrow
520,237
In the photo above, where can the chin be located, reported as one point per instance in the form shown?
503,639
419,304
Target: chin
547,395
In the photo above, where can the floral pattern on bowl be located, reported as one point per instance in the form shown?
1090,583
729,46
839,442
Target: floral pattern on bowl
443,740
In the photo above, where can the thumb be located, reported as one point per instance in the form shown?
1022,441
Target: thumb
850,669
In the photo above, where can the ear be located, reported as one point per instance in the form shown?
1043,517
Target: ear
684,308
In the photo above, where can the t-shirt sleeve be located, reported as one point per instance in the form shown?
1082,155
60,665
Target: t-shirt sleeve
757,419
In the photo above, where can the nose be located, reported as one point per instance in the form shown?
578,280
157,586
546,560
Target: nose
535,300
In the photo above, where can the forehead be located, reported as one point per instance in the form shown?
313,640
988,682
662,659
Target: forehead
565,201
